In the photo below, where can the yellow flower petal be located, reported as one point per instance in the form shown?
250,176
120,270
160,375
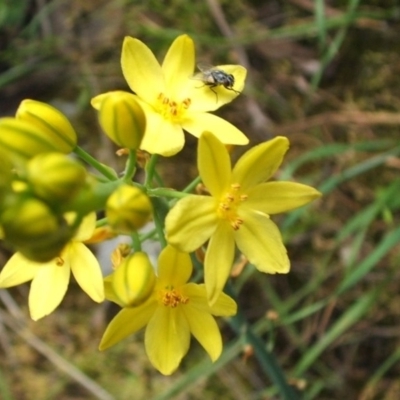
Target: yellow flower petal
218,261
17,270
142,70
277,197
260,163
206,99
161,135
109,293
259,239
204,328
174,267
127,322
224,305
178,66
86,270
214,164
191,222
197,123
86,228
48,289
167,339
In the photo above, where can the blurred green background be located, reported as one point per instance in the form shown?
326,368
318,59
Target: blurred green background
324,73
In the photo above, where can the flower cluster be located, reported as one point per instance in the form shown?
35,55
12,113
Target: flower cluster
49,200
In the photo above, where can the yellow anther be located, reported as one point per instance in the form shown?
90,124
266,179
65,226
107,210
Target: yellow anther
171,298
170,109
59,262
228,205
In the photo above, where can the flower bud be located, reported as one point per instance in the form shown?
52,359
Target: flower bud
133,280
55,177
128,209
22,140
30,226
122,118
6,174
51,122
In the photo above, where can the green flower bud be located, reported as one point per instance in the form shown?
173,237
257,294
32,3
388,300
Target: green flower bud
22,140
55,177
133,280
6,174
128,209
122,118
51,122
30,226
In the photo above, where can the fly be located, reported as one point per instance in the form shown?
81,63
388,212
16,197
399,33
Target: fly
214,77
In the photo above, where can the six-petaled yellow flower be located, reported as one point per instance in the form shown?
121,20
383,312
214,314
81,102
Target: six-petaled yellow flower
172,99
174,310
50,280
237,211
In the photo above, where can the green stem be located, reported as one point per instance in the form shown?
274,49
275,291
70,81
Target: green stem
160,231
103,169
150,170
136,244
192,185
92,198
130,168
164,192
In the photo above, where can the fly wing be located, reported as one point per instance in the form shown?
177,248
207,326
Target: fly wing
205,72
204,67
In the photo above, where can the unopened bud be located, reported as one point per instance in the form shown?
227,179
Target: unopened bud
6,174
55,177
51,122
133,280
22,140
128,209
30,226
121,118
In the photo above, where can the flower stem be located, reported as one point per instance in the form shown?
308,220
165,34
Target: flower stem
108,172
130,168
165,192
150,170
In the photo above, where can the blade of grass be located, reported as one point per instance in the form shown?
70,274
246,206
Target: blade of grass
390,240
349,318
393,359
335,45
320,21
201,371
348,174
267,360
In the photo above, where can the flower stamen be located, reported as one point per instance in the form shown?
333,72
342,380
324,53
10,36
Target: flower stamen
170,109
59,262
171,298
227,208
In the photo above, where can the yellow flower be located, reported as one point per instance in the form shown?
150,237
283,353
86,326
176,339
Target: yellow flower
174,310
50,280
237,211
172,99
